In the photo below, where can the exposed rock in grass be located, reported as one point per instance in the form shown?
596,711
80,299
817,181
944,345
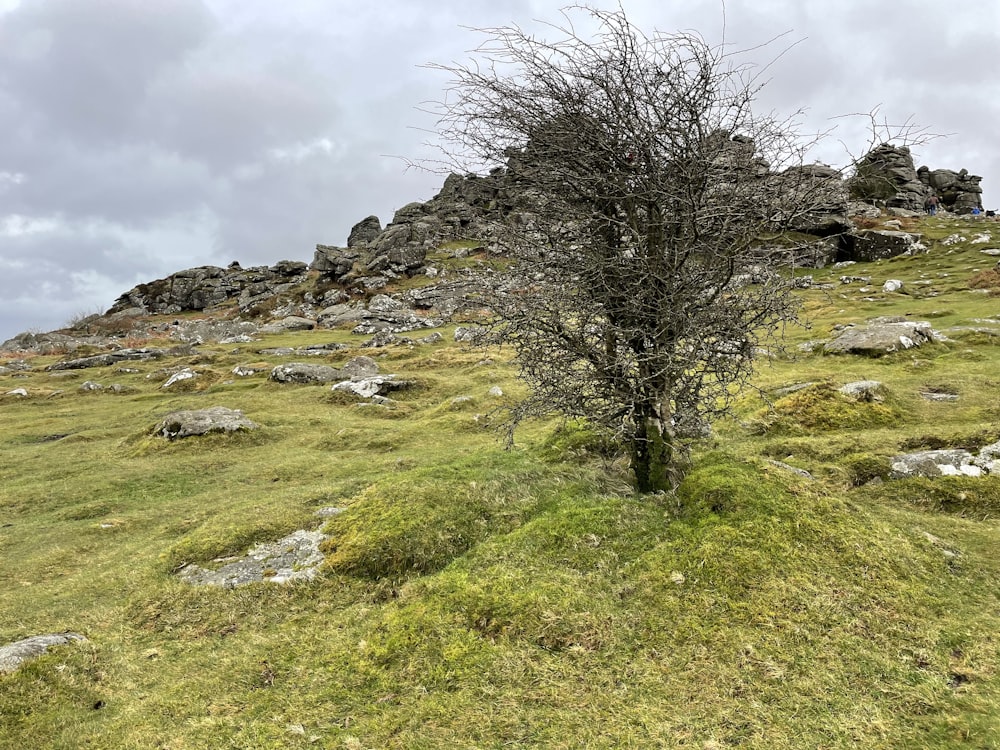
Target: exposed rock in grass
863,390
295,557
15,654
939,463
179,377
301,372
377,385
881,336
190,423
107,358
360,367
18,393
289,323
947,462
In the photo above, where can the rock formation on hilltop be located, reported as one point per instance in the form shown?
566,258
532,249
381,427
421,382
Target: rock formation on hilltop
887,174
345,285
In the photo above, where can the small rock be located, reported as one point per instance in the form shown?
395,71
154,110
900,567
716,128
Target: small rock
863,390
496,391
186,374
892,285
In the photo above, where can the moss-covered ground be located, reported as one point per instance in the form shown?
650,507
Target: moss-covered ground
479,598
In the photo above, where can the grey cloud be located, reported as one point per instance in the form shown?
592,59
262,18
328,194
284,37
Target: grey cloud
84,65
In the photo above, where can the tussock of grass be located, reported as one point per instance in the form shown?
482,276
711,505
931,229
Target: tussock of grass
821,407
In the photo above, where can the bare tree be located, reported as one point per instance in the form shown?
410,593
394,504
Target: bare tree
644,185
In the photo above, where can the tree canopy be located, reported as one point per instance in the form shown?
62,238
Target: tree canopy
638,298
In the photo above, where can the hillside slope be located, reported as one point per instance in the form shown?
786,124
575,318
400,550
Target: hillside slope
790,595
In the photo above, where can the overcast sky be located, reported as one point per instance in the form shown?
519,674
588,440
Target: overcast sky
142,137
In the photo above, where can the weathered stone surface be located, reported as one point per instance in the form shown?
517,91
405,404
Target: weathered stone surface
190,423
108,358
13,655
179,377
364,231
338,314
222,331
892,285
873,244
295,557
289,323
378,385
939,463
881,337
863,390
302,372
360,367
470,334
335,262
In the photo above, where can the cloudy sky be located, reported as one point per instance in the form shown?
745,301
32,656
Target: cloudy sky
141,137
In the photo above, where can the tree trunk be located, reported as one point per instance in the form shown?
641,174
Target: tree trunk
658,461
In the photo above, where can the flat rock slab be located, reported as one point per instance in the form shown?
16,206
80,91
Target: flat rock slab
303,372
370,387
296,557
877,339
941,463
182,424
108,358
15,654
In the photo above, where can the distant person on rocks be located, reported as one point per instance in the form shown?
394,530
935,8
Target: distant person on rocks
976,212
931,204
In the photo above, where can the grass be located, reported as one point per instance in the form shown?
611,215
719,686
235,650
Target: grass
474,597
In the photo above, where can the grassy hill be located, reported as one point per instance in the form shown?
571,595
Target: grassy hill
479,598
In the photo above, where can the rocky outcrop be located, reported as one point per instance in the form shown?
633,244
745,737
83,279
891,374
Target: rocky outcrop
887,175
210,286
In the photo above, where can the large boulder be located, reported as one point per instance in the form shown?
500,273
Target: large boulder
876,244
364,231
881,336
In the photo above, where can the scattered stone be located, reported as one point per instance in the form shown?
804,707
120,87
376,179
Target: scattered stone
794,469
107,358
90,385
178,377
892,285
289,323
993,251
13,655
190,423
295,557
470,335
360,367
794,387
301,372
496,391
378,385
931,396
432,338
18,393
245,371
939,463
329,511
863,390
